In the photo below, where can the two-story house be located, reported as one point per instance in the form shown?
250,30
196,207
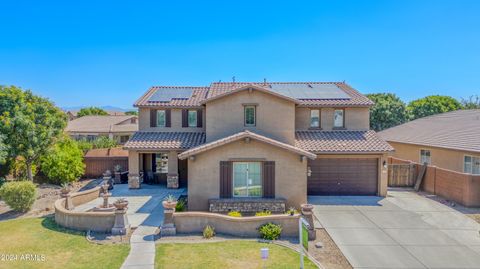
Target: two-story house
258,141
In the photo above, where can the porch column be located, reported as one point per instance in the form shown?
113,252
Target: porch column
172,177
133,170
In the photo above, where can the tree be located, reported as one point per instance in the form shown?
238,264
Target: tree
64,162
388,111
103,142
432,105
88,111
133,113
473,102
3,151
31,125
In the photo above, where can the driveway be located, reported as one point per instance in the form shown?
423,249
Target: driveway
403,230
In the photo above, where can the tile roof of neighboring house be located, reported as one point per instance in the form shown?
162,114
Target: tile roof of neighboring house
101,124
221,88
341,142
110,112
242,135
165,140
103,153
458,130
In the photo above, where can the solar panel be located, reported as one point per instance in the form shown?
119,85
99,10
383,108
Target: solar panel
310,91
166,95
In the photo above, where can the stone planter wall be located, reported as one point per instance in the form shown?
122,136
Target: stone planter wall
247,205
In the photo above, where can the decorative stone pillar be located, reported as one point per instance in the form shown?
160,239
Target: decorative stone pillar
168,226
121,226
307,213
68,201
133,181
172,181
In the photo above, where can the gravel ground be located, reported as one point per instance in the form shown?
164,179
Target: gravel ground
329,255
47,194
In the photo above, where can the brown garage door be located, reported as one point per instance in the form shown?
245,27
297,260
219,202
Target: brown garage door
343,176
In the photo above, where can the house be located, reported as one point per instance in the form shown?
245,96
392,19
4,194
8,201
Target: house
240,142
73,114
120,128
449,140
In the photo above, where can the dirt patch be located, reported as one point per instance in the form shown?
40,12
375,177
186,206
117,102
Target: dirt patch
475,217
329,255
108,238
47,194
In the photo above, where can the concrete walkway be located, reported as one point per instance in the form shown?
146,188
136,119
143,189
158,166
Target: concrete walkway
403,230
145,213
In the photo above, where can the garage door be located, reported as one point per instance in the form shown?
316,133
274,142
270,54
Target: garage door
343,176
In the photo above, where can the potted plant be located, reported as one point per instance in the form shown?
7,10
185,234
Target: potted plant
65,188
169,202
120,203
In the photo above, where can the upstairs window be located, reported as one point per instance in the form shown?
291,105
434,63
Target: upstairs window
339,118
315,118
250,116
425,156
471,165
161,118
192,118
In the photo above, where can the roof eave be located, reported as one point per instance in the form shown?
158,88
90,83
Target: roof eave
246,87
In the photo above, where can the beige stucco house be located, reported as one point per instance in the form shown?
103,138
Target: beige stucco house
449,140
257,143
119,128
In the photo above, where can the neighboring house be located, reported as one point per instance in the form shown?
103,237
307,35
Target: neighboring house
449,140
73,114
258,140
120,128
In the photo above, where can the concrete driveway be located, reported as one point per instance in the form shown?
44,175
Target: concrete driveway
403,230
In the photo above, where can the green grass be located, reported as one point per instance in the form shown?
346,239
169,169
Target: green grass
62,248
229,254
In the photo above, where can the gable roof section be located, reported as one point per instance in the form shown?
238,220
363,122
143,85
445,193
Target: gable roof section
101,124
459,130
355,142
247,87
165,140
242,135
198,95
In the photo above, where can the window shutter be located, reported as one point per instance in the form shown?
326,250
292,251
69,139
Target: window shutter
199,118
153,118
168,118
268,179
184,118
225,179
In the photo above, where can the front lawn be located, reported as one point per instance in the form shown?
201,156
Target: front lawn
230,254
61,248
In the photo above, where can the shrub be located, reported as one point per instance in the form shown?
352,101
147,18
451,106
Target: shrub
270,231
104,142
64,163
291,211
84,145
208,232
19,195
263,213
181,205
234,214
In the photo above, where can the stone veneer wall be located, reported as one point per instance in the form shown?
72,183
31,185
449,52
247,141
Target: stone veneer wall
195,222
246,205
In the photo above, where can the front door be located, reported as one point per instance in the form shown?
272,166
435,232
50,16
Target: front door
247,180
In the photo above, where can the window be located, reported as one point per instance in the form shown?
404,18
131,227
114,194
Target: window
249,115
338,118
161,118
315,118
124,139
192,118
471,165
425,156
247,180
161,161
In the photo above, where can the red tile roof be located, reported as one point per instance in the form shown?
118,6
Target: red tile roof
165,140
341,142
219,88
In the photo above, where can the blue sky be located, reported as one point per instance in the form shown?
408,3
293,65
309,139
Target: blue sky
110,52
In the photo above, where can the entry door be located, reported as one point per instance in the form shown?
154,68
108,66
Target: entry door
247,181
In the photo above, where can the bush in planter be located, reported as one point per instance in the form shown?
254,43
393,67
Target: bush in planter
19,195
263,213
270,231
181,205
234,214
208,232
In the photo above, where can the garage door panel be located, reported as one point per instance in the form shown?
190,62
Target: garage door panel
343,176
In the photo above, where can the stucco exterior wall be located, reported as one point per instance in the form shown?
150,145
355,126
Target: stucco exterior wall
275,117
176,114
204,176
443,158
356,118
